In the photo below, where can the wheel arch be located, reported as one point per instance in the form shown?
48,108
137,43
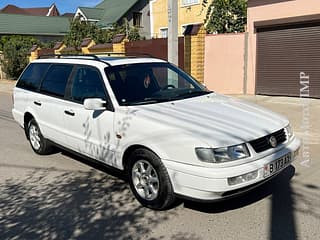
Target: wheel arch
26,118
127,153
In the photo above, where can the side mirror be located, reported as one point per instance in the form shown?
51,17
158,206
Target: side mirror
94,104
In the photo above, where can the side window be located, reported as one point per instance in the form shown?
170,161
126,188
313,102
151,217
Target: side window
31,77
56,80
87,83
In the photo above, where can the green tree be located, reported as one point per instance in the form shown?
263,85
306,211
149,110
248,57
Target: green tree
226,16
15,51
134,34
81,29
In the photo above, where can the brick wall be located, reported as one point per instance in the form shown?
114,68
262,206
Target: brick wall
194,53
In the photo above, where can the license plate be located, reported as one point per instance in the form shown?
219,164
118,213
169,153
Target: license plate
277,165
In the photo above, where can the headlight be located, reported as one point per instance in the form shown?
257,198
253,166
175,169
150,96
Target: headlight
289,131
225,154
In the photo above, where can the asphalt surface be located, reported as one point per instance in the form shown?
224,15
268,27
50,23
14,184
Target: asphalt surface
63,197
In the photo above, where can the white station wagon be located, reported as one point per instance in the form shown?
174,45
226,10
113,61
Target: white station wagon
167,132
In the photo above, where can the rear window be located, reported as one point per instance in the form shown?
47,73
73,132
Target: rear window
56,80
31,77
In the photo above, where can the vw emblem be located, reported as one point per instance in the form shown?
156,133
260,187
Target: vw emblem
273,141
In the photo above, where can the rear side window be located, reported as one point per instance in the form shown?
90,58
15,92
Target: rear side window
32,76
56,80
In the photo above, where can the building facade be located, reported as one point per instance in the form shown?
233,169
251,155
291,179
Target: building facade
109,12
189,12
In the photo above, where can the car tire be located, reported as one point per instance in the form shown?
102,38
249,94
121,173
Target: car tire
149,180
39,144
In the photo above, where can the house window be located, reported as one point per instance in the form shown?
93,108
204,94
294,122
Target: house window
163,32
137,19
190,2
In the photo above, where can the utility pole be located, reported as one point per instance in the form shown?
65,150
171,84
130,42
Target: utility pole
173,31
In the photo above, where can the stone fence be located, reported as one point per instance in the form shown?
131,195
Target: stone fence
192,61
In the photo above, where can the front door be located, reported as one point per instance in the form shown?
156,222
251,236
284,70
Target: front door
89,132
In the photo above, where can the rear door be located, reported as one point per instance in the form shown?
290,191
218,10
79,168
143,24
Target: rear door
26,91
50,102
89,132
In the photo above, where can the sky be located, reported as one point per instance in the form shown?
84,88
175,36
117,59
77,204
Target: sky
62,5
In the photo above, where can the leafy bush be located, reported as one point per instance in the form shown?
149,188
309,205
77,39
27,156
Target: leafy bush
15,51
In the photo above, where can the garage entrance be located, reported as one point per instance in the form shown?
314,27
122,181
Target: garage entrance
287,55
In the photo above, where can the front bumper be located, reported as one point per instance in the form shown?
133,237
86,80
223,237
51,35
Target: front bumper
212,183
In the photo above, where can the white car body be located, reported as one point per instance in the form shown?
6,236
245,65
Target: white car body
172,130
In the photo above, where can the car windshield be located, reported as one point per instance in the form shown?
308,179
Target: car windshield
147,83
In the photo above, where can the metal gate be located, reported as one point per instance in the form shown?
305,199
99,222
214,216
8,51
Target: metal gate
288,60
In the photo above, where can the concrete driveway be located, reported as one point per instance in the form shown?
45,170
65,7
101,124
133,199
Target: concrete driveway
63,197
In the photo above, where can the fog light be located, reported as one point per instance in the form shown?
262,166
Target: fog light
243,178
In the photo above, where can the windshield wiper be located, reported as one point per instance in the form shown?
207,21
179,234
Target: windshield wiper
141,102
151,100
192,93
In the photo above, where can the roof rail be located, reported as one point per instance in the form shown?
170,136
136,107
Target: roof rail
133,54
95,56
78,56
74,56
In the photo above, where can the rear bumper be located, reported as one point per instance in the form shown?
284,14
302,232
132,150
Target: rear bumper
18,117
209,184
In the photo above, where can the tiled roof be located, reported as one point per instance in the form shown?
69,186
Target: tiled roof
12,9
42,11
85,42
34,47
37,11
92,13
101,46
70,49
118,38
108,11
114,10
33,25
69,15
57,45
192,29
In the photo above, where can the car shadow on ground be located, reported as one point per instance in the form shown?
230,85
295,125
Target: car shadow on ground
97,204
282,221
57,204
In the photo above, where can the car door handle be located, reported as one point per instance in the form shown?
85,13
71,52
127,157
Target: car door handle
37,103
69,112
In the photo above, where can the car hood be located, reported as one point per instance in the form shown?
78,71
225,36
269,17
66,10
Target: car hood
215,119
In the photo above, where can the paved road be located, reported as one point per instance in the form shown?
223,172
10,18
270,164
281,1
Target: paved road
63,197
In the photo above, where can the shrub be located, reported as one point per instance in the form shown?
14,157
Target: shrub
226,16
15,51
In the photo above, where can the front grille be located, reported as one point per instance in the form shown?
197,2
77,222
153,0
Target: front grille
263,144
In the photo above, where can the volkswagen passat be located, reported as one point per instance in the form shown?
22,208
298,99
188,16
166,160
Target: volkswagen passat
169,134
